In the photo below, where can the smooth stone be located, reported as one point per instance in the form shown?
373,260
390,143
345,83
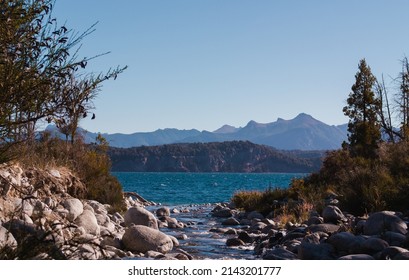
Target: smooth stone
140,216
88,221
332,214
74,207
141,238
346,242
327,228
279,254
163,211
311,251
231,222
381,222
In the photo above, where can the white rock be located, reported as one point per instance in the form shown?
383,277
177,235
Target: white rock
74,207
140,238
88,221
140,216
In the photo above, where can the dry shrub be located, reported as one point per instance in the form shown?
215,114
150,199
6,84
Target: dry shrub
89,162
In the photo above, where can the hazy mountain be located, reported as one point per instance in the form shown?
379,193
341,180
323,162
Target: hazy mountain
301,133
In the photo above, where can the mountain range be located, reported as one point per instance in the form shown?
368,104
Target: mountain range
300,133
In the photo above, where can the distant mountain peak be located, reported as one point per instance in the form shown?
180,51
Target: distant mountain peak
226,129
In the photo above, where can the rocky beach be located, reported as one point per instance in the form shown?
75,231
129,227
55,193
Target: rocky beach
42,218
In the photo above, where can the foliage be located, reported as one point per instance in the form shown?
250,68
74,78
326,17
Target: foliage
89,162
41,73
362,109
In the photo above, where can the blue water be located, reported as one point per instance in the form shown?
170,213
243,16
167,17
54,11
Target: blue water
199,188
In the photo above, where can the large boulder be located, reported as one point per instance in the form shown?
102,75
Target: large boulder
88,221
381,222
332,214
74,207
140,216
139,238
346,243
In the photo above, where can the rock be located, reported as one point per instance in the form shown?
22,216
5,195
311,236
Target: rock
6,239
394,239
401,256
153,255
98,207
231,231
346,243
332,214
182,237
279,254
233,242
381,222
231,222
174,240
140,216
163,211
311,251
315,220
391,251
172,222
74,207
258,226
374,245
223,213
327,228
88,221
255,215
20,230
139,238
356,257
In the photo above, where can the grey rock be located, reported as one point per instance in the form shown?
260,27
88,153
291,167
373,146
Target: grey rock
401,256
314,220
374,245
139,238
140,216
356,257
279,254
89,222
381,222
255,215
394,239
391,251
6,239
163,211
346,243
327,228
74,207
311,251
332,214
231,222
223,213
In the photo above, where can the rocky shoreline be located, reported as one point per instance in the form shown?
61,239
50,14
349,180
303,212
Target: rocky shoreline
42,218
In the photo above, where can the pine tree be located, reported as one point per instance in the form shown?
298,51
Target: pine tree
362,110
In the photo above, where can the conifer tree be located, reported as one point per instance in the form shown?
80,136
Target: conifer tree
362,109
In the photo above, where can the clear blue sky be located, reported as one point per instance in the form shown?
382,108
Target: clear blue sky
205,63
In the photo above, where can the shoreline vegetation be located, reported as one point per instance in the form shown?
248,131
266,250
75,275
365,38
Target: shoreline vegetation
59,200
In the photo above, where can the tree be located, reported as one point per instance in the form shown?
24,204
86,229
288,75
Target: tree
403,100
362,109
38,62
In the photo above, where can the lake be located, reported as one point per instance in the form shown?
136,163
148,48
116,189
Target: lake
199,188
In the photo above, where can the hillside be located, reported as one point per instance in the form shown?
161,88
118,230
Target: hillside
235,156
